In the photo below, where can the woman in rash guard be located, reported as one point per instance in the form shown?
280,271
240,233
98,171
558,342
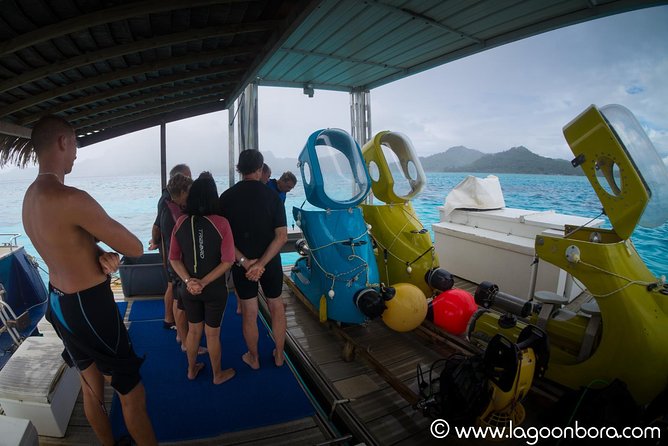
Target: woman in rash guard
201,251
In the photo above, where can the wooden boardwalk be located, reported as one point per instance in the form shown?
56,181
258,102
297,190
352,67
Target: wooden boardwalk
378,382
305,431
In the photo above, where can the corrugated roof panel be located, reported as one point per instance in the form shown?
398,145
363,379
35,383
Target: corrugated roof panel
530,18
334,29
353,33
412,46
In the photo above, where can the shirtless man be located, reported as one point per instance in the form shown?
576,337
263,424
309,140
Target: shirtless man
64,224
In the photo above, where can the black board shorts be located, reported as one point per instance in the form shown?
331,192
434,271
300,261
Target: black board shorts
92,330
208,306
271,281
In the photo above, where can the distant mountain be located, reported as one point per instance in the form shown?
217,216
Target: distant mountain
280,165
515,160
454,157
522,160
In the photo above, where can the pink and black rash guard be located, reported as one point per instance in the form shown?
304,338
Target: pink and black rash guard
203,243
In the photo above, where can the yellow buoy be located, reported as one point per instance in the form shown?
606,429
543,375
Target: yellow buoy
407,309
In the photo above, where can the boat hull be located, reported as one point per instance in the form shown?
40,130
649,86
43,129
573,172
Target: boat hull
24,293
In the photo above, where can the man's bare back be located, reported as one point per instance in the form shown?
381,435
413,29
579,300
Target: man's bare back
63,224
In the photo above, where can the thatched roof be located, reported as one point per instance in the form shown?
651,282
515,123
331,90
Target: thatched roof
16,150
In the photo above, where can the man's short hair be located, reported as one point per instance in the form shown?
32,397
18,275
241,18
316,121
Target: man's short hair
178,184
289,176
47,131
266,169
183,169
250,161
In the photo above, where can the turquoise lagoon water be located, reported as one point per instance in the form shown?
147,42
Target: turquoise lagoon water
132,201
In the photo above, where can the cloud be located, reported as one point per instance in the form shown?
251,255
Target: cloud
635,89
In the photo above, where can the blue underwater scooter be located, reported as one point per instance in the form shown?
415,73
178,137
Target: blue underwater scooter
337,269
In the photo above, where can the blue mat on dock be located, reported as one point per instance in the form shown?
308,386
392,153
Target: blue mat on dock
147,310
181,409
122,307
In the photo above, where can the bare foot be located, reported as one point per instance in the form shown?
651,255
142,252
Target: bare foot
224,375
253,363
278,361
193,374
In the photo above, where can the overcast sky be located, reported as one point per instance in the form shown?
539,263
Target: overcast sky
517,94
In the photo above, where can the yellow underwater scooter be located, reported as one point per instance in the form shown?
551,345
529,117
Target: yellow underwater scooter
622,334
404,250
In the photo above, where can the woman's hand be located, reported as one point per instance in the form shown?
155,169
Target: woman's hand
194,286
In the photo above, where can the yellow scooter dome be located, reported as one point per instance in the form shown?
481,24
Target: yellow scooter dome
394,167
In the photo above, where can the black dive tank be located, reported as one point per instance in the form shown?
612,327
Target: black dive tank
439,279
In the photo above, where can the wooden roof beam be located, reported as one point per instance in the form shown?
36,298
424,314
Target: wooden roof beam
151,121
89,99
161,93
109,15
9,129
135,47
150,110
127,73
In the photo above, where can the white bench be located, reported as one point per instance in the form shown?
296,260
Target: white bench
17,431
37,385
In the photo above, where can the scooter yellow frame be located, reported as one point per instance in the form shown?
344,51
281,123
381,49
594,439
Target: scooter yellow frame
632,339
404,250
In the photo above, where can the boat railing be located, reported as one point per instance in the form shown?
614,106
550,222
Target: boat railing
7,316
11,242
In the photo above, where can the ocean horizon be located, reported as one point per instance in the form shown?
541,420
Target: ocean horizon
132,200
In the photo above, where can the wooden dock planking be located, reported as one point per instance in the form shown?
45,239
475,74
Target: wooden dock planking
389,416
386,413
305,431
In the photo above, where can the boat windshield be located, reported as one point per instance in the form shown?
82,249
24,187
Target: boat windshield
647,161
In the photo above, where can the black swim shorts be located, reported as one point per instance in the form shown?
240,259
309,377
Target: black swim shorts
92,330
271,281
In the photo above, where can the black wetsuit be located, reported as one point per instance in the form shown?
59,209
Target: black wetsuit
92,330
162,204
168,215
203,243
254,212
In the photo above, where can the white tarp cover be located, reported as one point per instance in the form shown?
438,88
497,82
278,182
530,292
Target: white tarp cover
482,194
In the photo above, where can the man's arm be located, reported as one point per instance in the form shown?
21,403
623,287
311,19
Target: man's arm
156,237
89,215
280,238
